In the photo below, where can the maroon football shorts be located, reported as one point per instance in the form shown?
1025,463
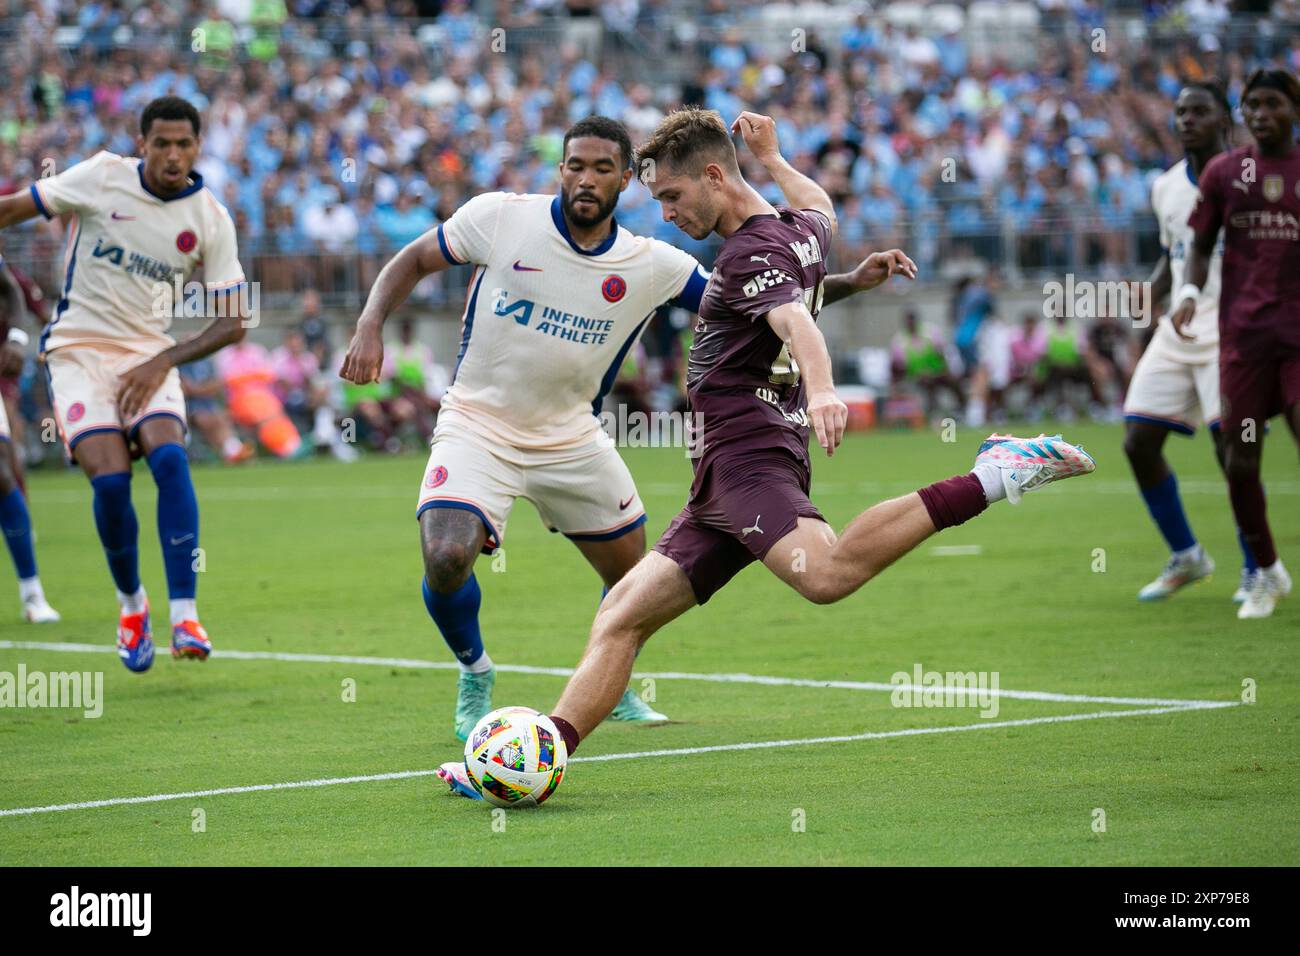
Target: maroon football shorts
1257,390
745,505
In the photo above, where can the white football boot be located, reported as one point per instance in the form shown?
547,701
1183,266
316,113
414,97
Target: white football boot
1268,586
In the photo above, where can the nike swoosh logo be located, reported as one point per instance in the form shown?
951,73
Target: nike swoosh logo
519,268
116,215
622,505
182,539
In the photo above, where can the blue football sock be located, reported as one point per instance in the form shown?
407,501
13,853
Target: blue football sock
17,527
1166,509
456,615
115,520
1248,556
178,518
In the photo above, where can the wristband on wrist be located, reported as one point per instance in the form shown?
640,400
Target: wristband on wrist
1186,291
18,337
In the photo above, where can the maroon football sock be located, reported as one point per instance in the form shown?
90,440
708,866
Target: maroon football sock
567,731
953,500
1248,507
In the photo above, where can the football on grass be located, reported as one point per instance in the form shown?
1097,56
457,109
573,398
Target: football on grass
515,757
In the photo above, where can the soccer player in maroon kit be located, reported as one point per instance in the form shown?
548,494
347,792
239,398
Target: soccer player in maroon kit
1253,194
759,378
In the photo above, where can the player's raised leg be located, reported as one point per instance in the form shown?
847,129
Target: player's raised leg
1188,561
162,438
825,568
451,539
17,526
104,458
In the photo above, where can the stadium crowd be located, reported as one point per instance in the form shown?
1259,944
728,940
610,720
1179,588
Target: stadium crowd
336,132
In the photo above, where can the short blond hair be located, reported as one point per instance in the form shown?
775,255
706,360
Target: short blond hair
687,140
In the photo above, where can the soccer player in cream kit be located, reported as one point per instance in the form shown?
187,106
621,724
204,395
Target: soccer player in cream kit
135,226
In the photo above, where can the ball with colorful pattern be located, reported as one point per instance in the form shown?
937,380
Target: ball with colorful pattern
515,757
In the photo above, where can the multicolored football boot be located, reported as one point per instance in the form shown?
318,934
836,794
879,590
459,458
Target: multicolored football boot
1178,573
473,700
190,640
457,778
1029,463
135,641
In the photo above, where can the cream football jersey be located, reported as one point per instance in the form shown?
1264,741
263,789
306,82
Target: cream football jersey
547,324
1173,195
126,249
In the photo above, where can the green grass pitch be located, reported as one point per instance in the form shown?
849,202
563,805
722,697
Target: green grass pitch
320,558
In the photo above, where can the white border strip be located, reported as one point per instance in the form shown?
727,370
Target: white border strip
740,678
638,755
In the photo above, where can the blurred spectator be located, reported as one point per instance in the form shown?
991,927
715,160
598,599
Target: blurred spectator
204,393
417,379
245,369
917,356
306,393
1064,365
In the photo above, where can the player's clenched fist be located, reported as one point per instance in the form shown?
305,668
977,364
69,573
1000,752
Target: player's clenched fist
759,133
365,355
829,416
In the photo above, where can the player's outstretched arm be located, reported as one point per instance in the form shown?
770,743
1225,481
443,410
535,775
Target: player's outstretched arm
17,207
795,325
759,133
870,272
139,384
392,287
1197,271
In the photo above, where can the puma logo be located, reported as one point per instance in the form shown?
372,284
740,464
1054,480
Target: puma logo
745,532
762,259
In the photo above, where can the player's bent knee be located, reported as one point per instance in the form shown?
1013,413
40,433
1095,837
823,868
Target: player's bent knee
447,564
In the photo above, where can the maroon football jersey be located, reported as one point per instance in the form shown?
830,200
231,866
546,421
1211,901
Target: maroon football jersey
1256,201
743,385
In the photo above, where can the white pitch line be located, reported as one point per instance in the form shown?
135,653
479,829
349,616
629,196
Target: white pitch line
678,752
956,550
741,678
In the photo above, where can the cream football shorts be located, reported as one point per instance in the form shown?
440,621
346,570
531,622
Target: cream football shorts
586,493
84,381
1170,391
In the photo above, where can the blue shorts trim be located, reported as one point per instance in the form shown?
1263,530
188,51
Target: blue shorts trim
492,542
91,431
608,535
1174,426
136,427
